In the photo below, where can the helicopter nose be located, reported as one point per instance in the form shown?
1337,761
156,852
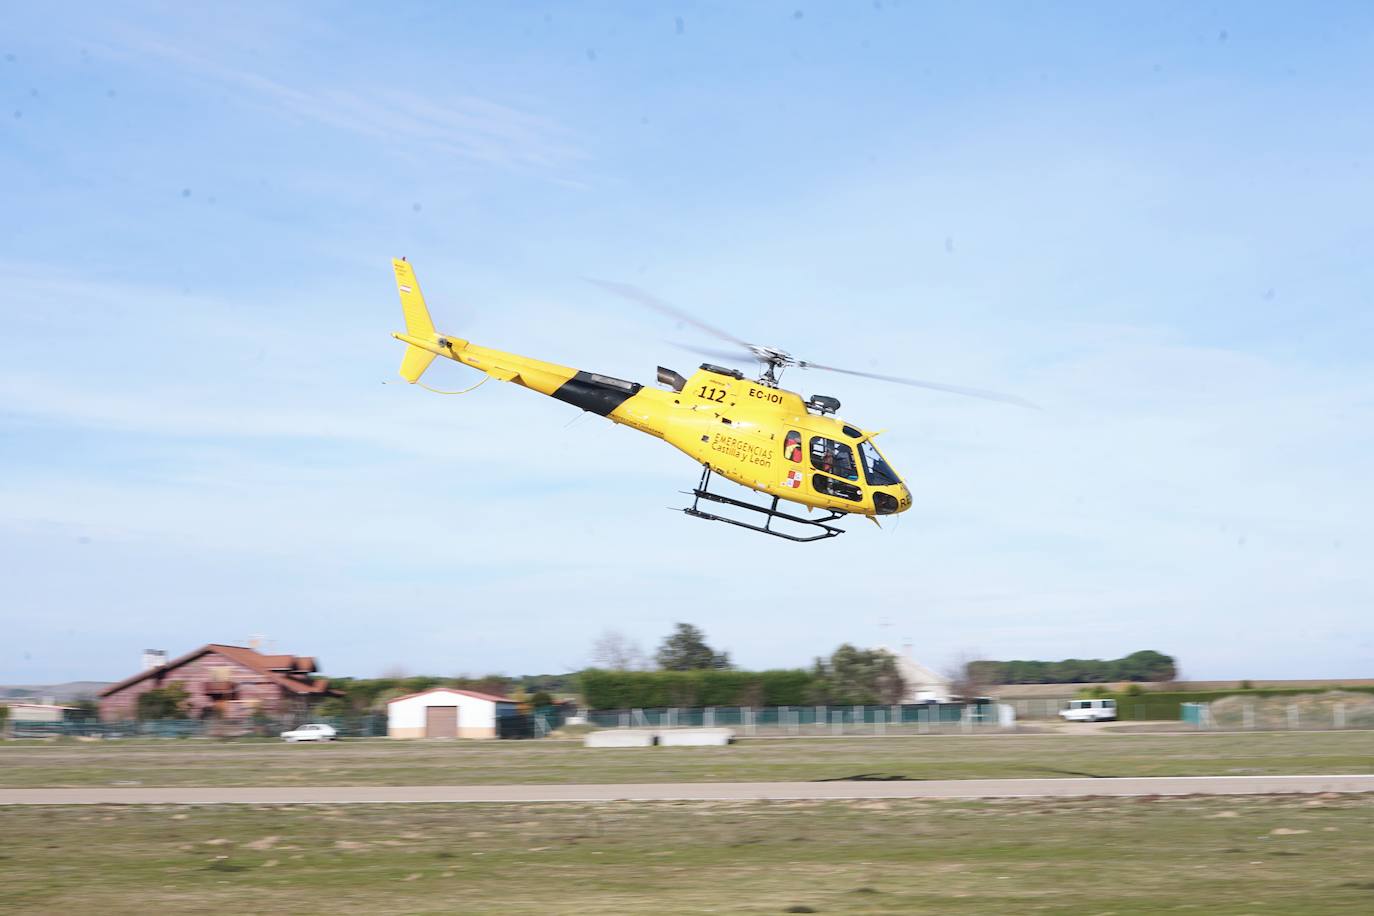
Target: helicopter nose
892,499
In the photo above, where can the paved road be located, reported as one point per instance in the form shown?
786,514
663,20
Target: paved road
702,791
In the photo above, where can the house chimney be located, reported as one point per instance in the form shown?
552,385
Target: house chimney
154,658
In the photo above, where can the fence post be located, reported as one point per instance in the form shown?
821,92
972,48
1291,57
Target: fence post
820,718
966,719
1292,716
1248,715
880,721
624,720
748,713
837,721
1338,715
922,717
709,718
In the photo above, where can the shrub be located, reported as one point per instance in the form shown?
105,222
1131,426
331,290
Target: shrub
162,703
704,687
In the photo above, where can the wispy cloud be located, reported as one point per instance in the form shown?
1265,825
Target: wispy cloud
476,129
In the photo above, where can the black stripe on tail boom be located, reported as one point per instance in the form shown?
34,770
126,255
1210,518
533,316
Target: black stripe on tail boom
599,394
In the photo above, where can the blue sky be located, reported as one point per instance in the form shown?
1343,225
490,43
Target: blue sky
1153,220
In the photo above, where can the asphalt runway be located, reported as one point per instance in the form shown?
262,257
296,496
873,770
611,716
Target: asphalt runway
700,791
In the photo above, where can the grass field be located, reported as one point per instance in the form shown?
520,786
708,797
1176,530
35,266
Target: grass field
204,763
1122,856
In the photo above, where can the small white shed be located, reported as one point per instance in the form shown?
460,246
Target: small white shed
446,712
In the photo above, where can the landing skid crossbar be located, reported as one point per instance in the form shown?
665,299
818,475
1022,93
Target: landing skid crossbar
701,492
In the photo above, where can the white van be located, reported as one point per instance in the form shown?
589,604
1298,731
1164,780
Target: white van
1089,711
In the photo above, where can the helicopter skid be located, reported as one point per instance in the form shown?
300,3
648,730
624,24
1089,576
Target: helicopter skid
701,492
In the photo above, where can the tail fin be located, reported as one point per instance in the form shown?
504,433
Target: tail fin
418,323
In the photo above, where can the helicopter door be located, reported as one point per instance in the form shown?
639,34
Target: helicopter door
834,460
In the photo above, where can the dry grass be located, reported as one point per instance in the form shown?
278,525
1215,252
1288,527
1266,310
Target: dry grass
1122,856
204,763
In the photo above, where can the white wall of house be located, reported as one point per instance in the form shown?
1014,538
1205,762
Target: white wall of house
37,712
922,684
406,717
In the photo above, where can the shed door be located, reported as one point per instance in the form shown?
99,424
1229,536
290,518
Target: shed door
441,721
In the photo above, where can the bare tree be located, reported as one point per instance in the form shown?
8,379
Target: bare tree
615,651
966,678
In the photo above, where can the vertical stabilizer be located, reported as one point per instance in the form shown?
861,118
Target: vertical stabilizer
418,323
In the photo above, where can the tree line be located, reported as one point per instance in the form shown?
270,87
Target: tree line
1146,665
685,670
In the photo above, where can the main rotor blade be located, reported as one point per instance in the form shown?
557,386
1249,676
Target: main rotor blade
934,386
640,297
739,356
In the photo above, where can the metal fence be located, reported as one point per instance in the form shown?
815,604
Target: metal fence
919,717
1283,714
1129,709
368,726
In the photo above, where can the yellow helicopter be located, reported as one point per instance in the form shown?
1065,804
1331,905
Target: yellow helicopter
750,431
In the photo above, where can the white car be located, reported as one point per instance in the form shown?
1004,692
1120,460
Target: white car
313,732
1089,711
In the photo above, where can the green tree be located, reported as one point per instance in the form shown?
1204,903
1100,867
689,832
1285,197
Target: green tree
858,677
685,649
1148,665
162,703
540,699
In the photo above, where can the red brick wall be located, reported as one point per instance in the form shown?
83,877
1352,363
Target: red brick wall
251,691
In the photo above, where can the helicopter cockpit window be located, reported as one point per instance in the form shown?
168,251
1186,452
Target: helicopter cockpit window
833,458
829,486
878,471
791,447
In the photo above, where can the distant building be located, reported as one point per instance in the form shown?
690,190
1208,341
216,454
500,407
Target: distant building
231,682
922,685
19,716
446,712
38,712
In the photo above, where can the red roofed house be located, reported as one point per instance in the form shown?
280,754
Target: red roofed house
231,682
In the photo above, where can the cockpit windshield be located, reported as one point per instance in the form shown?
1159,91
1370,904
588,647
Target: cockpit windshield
878,471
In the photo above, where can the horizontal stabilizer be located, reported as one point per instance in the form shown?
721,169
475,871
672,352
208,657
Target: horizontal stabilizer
414,363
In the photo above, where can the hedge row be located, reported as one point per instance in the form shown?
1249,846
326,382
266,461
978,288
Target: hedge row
650,689
1152,705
